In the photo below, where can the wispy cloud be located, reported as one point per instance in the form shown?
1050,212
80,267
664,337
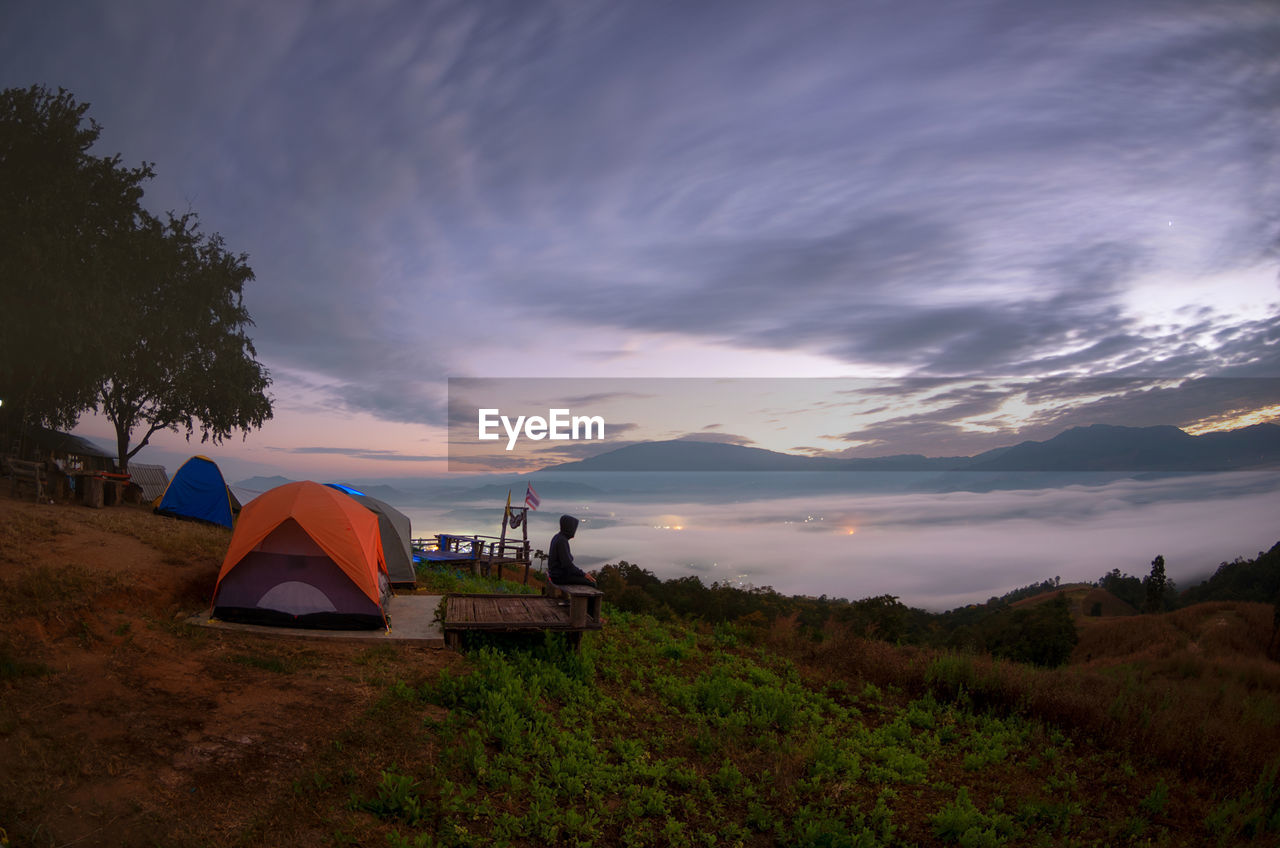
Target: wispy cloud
983,189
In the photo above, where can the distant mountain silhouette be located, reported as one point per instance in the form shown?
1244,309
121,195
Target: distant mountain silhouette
1105,447
557,489
260,484
1098,447
686,455
387,494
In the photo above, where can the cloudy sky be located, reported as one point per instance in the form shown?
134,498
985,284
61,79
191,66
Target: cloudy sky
1017,190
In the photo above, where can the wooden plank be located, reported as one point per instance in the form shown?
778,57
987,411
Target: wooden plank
533,610
574,590
520,611
505,611
487,610
502,610
508,627
499,627
544,610
472,613
509,613
553,613
455,609
467,610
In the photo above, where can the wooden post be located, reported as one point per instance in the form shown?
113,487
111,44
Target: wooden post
502,541
525,525
577,611
93,494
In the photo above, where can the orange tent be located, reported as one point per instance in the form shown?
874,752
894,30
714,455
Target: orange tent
304,554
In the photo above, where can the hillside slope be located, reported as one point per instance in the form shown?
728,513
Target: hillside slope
120,725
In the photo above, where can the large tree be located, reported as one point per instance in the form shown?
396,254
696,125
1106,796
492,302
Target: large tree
65,215
104,305
190,362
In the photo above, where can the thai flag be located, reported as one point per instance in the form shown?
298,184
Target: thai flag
531,498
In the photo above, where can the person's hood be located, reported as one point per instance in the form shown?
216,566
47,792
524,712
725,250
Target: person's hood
568,526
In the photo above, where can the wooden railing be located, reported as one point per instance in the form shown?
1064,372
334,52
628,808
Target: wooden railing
483,552
478,546
23,473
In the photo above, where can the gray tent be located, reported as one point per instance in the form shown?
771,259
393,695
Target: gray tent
394,527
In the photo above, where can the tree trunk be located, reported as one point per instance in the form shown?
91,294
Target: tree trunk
122,446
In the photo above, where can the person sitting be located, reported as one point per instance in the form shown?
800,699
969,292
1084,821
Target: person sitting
560,567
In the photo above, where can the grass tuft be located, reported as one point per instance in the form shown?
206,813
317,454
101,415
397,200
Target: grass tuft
46,592
443,580
13,668
180,542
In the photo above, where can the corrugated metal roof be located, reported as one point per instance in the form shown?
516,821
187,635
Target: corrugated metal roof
65,443
152,479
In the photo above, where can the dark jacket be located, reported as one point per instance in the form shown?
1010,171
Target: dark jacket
560,567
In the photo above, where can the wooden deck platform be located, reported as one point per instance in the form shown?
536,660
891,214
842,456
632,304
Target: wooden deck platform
511,614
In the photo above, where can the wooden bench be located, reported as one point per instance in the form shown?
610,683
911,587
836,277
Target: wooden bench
23,473
584,601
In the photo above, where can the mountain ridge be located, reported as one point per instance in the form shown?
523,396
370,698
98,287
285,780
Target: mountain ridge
1095,447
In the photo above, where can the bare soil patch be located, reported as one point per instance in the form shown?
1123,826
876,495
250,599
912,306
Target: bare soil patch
120,724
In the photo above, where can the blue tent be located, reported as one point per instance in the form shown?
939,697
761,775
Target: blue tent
346,489
198,491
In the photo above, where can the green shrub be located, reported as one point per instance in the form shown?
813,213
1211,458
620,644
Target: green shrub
950,676
1042,635
1155,802
396,799
1251,814
963,823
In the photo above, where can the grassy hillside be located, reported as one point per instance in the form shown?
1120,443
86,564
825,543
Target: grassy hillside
1085,601
662,734
121,725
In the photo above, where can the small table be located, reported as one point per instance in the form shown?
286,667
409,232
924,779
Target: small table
507,613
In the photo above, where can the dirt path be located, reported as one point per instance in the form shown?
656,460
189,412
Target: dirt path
122,725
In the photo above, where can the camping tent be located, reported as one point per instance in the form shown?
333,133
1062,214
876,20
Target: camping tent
397,536
304,555
198,491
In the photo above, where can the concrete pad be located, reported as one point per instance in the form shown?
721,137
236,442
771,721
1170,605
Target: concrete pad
412,620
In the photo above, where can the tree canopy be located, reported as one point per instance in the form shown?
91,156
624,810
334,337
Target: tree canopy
66,218
108,306
191,365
